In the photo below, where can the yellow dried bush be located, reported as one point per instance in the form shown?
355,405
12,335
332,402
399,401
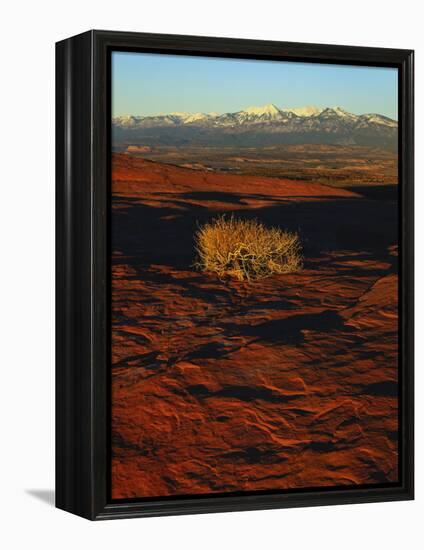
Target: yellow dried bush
246,249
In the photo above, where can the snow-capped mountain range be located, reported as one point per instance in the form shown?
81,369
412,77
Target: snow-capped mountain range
257,125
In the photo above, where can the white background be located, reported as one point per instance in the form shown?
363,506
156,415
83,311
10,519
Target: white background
28,33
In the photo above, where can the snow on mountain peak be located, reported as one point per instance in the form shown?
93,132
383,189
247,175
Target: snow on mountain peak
126,120
269,109
265,118
194,117
309,110
341,112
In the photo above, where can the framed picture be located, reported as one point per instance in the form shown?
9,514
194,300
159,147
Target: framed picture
234,274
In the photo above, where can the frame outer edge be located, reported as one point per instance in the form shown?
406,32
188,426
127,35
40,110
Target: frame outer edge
407,291
74,385
81,184
61,466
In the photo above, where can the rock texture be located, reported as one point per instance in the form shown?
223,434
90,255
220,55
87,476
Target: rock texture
222,386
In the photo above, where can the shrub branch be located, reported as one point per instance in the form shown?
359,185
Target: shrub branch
246,249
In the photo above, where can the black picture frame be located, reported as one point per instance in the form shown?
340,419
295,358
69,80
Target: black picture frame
82,271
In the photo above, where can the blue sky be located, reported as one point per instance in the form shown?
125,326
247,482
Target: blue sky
147,84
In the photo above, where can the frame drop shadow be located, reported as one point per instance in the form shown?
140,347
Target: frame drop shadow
45,495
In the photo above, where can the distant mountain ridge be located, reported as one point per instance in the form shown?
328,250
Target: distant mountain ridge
257,126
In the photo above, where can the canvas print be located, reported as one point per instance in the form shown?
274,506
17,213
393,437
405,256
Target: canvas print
254,276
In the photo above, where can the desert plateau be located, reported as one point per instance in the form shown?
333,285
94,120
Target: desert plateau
283,383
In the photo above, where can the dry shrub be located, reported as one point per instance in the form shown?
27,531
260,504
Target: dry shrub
246,249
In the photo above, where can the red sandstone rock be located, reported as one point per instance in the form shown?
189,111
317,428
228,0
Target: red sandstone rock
218,385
